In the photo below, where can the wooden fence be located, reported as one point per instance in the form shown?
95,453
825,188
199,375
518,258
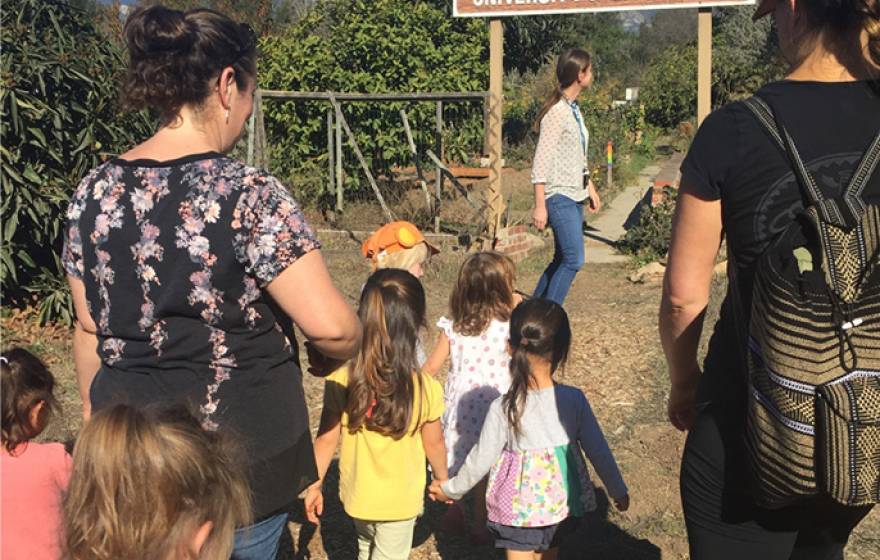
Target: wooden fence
257,153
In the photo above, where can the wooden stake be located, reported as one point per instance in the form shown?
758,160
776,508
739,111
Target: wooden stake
438,177
357,152
416,159
340,178
704,63
496,77
331,165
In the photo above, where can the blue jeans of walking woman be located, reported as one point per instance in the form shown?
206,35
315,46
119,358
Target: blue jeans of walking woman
566,217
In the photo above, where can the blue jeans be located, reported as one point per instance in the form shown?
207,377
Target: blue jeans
566,217
260,540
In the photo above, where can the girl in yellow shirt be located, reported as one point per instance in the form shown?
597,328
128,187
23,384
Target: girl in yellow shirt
386,417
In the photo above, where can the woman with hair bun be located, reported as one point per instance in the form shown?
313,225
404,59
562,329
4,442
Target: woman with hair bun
188,268
737,181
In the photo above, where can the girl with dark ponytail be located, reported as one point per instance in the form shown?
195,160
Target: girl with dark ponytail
533,444
561,174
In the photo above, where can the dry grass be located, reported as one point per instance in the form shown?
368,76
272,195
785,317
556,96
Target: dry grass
615,359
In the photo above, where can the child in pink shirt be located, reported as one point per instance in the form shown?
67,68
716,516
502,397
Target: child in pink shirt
32,475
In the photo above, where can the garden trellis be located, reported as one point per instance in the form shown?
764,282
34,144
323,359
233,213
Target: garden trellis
338,125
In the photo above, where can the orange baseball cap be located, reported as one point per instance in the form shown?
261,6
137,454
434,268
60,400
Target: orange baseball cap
393,237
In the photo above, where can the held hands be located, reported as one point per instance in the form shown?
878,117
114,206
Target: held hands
319,364
314,503
622,503
436,492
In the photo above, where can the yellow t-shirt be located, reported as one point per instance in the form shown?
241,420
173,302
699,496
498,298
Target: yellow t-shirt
380,478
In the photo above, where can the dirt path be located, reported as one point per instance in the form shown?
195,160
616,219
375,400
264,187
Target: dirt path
617,361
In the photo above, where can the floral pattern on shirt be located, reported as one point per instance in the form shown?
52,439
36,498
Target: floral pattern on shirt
155,187
199,238
539,487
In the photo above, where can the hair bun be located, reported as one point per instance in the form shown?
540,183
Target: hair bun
157,30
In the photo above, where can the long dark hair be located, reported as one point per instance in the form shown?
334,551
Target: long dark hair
569,66
25,382
538,327
483,291
384,385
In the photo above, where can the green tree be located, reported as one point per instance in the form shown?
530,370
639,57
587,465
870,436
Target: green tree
59,117
743,54
669,87
371,46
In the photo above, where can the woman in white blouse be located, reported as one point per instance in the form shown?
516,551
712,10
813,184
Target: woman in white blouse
561,176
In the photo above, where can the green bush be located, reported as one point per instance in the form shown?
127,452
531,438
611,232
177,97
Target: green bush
60,117
372,46
669,88
649,240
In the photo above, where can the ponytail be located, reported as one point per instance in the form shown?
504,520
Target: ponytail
515,399
539,328
568,68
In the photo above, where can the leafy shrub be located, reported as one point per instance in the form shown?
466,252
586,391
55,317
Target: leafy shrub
669,88
372,46
59,118
649,240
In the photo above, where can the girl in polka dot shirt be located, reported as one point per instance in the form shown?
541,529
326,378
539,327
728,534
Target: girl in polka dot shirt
474,339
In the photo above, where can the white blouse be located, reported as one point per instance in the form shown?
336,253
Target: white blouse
561,157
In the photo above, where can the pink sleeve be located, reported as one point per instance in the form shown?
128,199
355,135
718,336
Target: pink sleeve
63,467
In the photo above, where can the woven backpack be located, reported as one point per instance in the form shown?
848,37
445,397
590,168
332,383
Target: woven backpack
813,357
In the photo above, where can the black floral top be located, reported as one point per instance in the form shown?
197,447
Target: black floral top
174,256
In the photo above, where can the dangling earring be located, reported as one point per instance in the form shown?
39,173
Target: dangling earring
227,116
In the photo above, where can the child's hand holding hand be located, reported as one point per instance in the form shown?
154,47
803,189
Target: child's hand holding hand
436,492
314,503
319,364
622,503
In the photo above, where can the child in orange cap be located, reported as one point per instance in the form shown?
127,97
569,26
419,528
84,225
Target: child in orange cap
399,245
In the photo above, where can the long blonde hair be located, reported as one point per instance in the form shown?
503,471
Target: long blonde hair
145,481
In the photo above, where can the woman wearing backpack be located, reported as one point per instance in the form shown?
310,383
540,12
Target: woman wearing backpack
736,180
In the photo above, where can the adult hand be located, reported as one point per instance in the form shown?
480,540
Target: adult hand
314,503
319,364
622,503
435,492
595,203
682,403
539,217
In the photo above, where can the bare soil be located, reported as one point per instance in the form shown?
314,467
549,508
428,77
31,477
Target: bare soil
615,359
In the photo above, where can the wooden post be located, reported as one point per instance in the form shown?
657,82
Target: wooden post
360,157
416,159
330,151
704,64
496,76
340,179
438,176
261,156
251,130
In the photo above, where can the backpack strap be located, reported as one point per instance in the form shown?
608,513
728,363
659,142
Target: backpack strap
844,211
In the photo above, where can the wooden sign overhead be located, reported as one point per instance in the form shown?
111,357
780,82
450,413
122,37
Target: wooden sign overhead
496,8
